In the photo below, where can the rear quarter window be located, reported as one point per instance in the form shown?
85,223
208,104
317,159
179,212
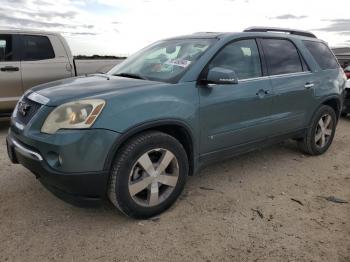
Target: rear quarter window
37,48
322,54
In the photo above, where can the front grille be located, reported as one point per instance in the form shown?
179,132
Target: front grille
26,109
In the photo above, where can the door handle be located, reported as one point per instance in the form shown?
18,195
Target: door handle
9,69
262,92
308,85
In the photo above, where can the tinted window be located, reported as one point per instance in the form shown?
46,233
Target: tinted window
322,54
242,57
6,48
37,48
282,56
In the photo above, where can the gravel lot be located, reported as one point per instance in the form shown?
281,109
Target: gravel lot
216,219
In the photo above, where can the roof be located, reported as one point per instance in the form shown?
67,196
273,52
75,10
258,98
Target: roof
21,31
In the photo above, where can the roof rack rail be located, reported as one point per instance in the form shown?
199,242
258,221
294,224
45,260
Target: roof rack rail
280,30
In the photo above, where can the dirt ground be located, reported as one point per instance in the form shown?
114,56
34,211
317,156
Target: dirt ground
216,219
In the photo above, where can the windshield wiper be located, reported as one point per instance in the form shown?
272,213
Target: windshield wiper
131,76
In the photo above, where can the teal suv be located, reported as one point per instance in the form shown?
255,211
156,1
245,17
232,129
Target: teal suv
133,135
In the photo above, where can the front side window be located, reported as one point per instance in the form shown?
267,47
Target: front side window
37,48
6,48
240,56
282,56
322,54
165,61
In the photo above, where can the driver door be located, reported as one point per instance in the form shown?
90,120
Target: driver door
232,115
10,73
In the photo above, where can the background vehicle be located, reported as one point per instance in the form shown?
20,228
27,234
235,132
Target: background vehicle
135,133
343,56
30,58
347,71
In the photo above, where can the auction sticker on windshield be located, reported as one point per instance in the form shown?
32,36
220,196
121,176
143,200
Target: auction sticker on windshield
179,62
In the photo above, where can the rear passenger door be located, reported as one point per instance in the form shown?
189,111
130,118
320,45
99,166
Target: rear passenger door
43,60
10,73
292,82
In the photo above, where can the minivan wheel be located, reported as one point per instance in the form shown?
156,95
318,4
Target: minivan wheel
320,135
148,174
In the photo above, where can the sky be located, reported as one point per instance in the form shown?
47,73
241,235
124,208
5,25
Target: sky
116,27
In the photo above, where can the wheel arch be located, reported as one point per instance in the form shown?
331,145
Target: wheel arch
334,102
176,128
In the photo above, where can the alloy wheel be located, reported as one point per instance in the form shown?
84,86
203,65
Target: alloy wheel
153,177
323,130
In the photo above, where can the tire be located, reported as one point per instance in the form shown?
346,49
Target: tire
318,140
167,170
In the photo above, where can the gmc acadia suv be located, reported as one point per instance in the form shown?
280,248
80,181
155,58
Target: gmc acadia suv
135,134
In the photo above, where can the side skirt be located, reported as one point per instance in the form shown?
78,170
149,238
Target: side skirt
230,152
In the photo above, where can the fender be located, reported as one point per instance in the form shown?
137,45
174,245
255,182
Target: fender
146,126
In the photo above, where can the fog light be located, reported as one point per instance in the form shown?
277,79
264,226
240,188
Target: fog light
54,159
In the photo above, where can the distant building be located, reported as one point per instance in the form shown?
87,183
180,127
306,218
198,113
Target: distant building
342,54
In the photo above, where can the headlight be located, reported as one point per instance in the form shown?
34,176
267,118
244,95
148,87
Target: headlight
78,114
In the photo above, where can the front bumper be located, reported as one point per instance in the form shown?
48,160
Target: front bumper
79,188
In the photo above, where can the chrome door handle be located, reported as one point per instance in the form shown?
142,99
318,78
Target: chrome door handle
309,85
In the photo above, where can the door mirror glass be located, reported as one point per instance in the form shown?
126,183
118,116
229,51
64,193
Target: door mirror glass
222,76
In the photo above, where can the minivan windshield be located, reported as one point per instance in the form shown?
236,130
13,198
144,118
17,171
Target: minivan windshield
165,61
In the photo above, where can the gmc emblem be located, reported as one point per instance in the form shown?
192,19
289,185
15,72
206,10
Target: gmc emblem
23,108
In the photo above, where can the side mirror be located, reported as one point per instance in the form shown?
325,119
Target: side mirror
221,76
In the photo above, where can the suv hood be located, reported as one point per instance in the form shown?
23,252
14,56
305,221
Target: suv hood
66,90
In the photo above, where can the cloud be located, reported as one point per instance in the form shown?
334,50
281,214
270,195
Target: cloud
289,16
337,25
27,23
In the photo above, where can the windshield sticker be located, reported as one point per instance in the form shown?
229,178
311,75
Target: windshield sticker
178,62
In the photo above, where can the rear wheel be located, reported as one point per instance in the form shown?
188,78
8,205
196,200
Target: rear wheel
320,135
148,175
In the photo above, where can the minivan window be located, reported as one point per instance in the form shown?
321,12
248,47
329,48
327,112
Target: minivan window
282,56
322,54
242,57
6,48
37,48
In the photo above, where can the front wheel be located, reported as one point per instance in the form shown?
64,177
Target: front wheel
148,175
320,135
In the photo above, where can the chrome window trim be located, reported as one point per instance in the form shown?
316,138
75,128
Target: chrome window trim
38,98
275,76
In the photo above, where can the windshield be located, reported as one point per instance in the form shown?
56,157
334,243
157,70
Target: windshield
165,61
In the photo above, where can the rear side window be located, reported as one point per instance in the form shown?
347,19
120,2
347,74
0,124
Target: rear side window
37,48
242,57
282,56
322,54
6,48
